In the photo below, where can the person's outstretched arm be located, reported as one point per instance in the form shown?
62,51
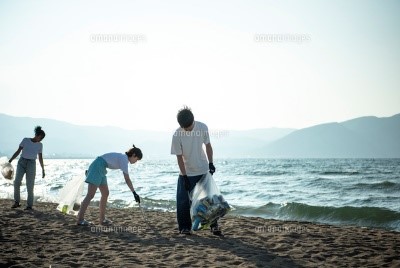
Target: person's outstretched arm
181,164
15,154
129,182
41,164
209,151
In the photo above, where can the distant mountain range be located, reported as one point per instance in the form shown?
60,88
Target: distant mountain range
363,137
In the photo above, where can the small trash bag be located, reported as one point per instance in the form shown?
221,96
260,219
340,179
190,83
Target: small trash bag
208,205
70,195
7,169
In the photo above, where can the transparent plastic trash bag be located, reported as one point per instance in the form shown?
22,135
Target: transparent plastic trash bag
70,195
7,170
208,205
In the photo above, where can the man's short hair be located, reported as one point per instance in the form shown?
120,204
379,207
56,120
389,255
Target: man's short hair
185,117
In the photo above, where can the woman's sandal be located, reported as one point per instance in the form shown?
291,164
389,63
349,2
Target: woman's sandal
106,222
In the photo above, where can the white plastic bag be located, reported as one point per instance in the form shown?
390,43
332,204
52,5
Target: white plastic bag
70,195
7,170
208,205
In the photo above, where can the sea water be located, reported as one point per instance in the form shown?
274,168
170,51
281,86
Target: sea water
362,192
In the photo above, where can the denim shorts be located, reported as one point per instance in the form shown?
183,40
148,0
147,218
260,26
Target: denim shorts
97,172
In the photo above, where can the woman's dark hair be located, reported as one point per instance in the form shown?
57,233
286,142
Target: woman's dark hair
185,117
39,132
134,152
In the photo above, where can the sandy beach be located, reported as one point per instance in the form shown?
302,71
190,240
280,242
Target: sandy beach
45,237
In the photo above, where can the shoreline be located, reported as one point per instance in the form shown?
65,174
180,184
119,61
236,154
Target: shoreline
45,237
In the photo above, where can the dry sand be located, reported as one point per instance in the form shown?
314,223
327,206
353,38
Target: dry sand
45,237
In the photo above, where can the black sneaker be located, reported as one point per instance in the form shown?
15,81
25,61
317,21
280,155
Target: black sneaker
216,231
28,208
185,232
16,205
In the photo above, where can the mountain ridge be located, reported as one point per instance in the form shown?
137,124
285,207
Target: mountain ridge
67,140
361,137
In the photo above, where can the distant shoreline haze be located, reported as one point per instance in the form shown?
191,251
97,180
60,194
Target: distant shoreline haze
363,137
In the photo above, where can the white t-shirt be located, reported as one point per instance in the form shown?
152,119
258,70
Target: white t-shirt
117,161
30,149
189,144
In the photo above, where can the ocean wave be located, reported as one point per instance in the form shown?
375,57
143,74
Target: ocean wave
361,216
384,185
337,173
323,182
146,203
267,173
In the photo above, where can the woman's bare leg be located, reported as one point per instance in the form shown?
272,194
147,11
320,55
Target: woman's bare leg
86,201
103,201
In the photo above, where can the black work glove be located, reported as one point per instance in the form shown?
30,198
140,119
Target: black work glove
137,198
187,183
211,167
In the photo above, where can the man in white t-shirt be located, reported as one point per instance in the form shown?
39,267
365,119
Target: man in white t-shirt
193,162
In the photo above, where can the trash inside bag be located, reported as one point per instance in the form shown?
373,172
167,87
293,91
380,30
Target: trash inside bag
7,170
70,196
208,205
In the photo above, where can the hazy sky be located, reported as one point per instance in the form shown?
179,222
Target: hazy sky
237,64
